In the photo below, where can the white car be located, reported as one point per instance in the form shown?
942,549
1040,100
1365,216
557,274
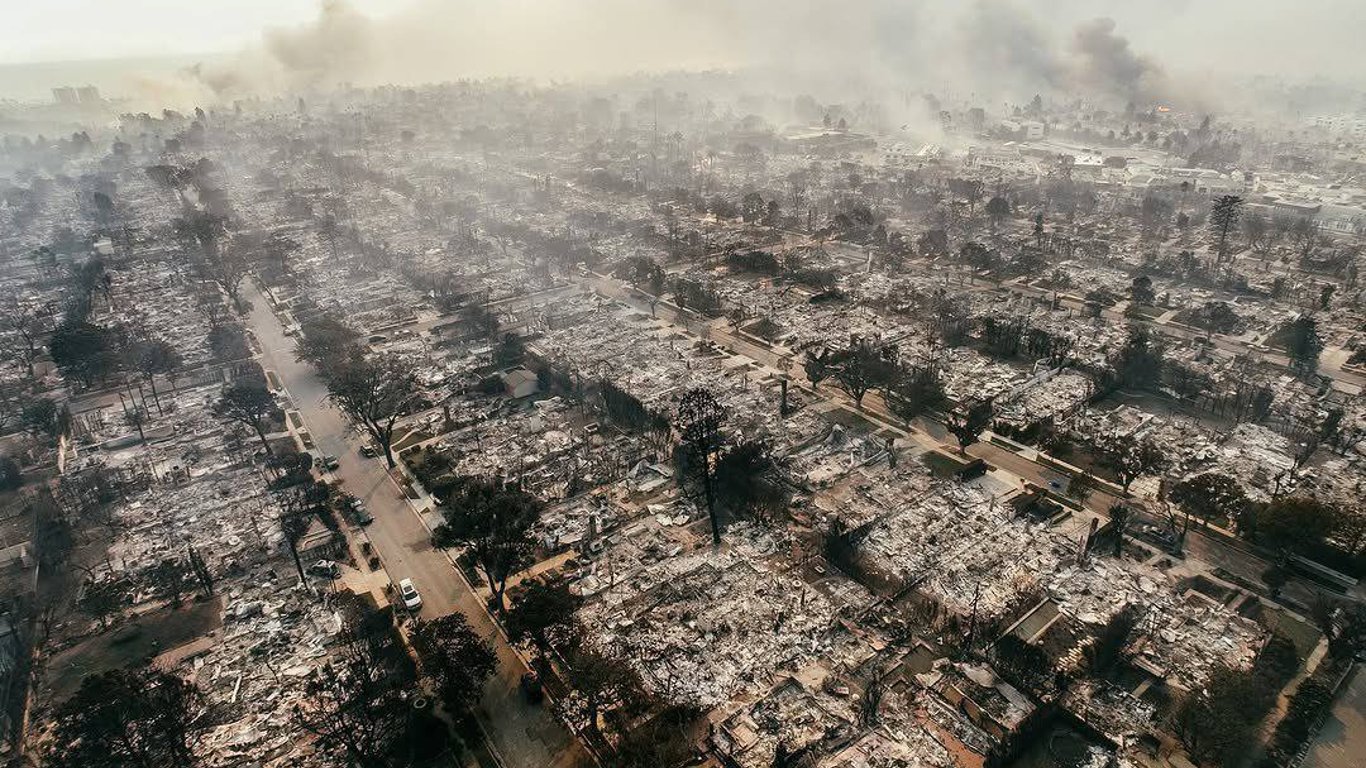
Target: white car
411,599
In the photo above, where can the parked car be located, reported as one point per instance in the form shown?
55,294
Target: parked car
411,599
368,451
331,462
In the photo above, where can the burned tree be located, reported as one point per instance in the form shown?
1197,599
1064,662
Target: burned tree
1223,221
358,704
156,358
818,366
297,505
249,403
698,423
967,423
25,325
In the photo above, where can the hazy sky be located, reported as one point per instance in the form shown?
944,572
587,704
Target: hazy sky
59,30
1319,35
1182,47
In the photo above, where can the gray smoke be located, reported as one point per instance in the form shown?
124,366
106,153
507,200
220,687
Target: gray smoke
1105,63
337,46
1002,39
984,50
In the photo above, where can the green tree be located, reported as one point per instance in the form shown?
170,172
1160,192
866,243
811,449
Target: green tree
128,719
1217,723
1132,458
1141,290
751,207
998,210
659,742
1211,497
916,389
602,682
1138,364
228,342
864,365
493,523
85,351
456,659
540,610
42,416
11,474
1294,524
325,340
747,479
374,391
1120,517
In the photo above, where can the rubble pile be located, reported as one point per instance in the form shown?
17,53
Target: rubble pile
1260,459
791,714
962,548
274,635
969,374
703,626
1050,397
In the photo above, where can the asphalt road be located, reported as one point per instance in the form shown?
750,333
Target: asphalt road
1341,742
522,735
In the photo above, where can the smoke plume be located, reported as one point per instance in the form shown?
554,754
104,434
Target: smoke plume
985,50
1105,63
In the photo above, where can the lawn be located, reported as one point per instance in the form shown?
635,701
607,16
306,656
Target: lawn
941,464
132,644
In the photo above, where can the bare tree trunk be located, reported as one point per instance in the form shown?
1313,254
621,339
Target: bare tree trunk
711,503
152,382
298,564
261,433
